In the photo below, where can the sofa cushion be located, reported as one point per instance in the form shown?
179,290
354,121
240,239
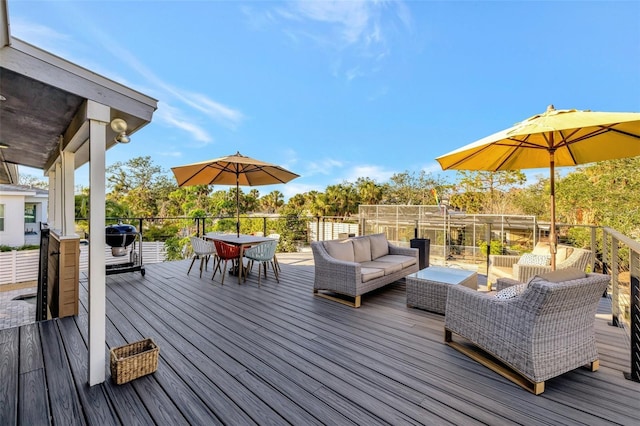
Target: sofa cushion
535,259
560,275
511,292
379,245
340,249
403,260
388,267
361,249
368,274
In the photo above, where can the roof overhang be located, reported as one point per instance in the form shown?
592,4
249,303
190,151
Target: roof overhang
45,103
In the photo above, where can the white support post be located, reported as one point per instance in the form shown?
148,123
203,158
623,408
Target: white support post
51,202
98,116
57,200
68,196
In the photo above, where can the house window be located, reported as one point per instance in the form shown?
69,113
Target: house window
1,217
29,213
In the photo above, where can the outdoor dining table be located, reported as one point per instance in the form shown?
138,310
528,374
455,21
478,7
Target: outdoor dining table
242,240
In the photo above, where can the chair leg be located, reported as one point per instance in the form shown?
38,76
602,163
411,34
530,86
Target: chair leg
275,263
216,263
260,272
275,270
218,268
224,271
247,268
193,259
202,263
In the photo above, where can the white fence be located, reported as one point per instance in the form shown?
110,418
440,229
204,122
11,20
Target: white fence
21,266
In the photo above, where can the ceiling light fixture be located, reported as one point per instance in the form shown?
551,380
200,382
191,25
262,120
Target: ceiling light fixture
120,127
3,145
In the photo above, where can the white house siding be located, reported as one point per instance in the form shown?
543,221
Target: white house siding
16,232
13,233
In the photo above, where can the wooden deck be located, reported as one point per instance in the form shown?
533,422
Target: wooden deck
243,355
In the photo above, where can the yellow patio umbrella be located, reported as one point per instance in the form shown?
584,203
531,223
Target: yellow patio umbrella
235,170
555,138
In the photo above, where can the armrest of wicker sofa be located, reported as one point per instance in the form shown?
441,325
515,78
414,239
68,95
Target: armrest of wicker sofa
406,251
465,307
502,283
503,259
524,273
334,274
499,261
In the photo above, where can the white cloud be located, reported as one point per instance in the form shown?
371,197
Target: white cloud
323,167
354,30
221,113
288,159
39,35
377,173
174,154
45,37
291,189
173,117
433,167
351,17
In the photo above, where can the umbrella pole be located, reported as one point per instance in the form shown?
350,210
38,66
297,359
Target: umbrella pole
237,206
553,239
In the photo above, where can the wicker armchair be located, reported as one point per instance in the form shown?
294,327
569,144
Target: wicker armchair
545,331
579,259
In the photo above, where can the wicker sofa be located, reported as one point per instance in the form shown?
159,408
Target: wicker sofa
507,266
355,266
544,331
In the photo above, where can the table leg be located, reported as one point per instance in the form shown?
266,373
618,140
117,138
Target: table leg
240,263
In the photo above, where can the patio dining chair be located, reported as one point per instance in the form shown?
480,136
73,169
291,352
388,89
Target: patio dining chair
264,253
202,250
226,252
275,257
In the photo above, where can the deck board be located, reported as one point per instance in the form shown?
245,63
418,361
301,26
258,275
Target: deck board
64,402
275,354
9,357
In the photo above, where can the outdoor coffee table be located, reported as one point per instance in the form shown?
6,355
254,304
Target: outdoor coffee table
427,288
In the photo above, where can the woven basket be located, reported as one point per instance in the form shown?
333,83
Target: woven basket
134,360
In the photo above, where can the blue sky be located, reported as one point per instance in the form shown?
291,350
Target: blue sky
336,90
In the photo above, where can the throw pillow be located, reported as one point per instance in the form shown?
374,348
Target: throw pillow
511,292
535,259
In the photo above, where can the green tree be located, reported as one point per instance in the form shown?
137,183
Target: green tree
182,201
369,191
33,181
412,189
272,202
140,185
489,189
